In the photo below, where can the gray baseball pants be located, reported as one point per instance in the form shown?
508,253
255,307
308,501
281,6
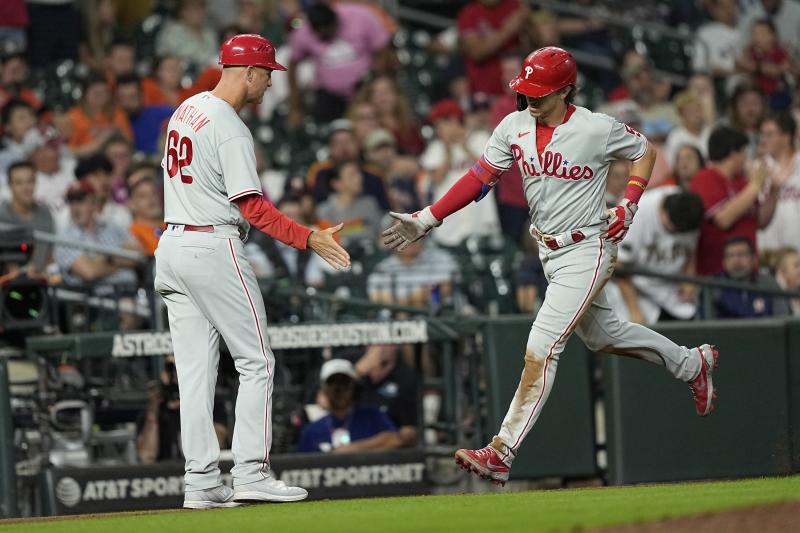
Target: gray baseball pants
210,289
575,301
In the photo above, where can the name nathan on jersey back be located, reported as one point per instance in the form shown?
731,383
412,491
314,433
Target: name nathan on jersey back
191,116
553,165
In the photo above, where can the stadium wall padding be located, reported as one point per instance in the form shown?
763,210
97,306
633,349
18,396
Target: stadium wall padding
655,435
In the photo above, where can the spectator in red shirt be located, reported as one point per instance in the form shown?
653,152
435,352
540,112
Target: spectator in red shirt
768,61
394,113
487,29
731,200
13,21
511,203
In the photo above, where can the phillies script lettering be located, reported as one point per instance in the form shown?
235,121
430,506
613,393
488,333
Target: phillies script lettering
553,165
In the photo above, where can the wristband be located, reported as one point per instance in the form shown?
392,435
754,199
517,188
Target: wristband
428,218
635,188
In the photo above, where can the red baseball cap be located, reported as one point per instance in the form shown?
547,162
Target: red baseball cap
445,109
78,190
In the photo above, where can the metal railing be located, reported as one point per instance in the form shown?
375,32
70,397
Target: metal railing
709,282
103,249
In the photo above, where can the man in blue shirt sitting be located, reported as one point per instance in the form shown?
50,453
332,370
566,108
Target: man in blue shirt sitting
740,263
347,428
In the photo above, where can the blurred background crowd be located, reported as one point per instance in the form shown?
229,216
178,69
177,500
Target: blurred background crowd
384,106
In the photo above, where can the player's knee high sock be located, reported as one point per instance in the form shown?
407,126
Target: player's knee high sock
534,388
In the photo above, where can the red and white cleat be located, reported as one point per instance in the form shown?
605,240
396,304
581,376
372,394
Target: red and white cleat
702,386
484,462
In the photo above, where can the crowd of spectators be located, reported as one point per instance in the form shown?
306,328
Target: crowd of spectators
726,132
724,199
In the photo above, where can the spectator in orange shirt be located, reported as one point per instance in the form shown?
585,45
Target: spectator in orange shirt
165,88
13,77
148,214
96,118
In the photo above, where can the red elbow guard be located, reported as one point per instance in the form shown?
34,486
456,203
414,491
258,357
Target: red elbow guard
472,186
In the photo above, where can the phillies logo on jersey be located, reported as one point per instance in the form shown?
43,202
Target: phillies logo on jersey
554,164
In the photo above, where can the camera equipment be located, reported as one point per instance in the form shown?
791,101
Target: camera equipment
23,301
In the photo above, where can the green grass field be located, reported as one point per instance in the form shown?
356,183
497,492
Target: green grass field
556,510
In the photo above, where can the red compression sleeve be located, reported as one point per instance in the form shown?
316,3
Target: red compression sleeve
635,188
266,217
466,189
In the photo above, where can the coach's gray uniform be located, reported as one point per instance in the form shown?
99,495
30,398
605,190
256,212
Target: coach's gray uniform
210,289
565,191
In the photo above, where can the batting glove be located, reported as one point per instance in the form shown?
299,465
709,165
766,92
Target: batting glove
619,220
410,228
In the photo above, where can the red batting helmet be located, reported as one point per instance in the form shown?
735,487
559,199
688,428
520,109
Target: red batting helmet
249,49
544,71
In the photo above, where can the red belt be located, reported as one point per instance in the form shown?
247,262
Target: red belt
206,229
552,241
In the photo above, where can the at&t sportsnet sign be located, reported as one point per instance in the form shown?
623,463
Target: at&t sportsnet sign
71,493
160,486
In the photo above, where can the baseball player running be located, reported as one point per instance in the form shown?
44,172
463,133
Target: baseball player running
212,195
563,152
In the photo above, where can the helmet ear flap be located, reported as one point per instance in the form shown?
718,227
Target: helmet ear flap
522,102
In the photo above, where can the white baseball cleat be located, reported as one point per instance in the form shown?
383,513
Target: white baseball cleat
216,498
269,490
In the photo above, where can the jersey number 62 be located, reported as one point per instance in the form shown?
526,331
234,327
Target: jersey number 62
179,155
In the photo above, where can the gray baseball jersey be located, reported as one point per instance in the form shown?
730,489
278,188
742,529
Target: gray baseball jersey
564,187
200,190
210,289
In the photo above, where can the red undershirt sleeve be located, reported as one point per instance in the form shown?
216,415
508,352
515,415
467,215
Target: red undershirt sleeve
267,218
472,186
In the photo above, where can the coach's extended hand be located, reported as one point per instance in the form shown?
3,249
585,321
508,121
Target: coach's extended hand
325,246
411,228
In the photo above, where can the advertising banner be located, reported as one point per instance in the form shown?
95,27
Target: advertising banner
105,489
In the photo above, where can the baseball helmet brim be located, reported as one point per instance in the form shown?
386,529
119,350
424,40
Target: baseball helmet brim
274,66
531,89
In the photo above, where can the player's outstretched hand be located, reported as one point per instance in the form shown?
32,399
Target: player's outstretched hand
325,246
410,228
